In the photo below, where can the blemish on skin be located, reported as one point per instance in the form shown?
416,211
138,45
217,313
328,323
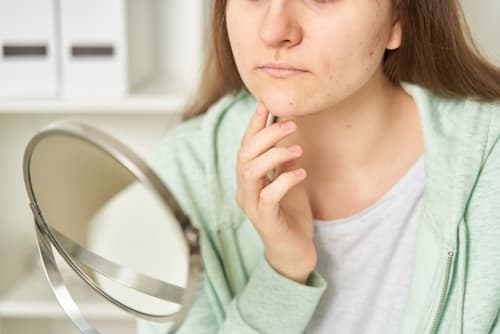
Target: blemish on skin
291,104
371,53
348,126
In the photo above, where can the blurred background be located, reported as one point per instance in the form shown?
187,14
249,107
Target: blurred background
126,66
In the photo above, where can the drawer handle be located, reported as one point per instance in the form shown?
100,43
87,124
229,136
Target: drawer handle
24,50
92,51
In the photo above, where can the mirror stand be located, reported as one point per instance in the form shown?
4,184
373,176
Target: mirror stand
136,281
83,188
57,283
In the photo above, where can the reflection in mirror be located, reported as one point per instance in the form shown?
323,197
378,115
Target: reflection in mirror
118,232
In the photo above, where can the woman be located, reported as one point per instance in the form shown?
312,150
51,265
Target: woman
342,237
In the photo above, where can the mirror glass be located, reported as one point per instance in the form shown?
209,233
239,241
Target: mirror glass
116,230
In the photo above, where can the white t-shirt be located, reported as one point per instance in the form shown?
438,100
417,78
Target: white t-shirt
367,259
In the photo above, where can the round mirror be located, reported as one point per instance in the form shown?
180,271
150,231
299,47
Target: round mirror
113,221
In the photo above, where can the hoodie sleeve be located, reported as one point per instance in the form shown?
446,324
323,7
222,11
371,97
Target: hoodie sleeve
272,303
269,302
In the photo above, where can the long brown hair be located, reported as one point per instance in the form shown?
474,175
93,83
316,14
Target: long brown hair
436,52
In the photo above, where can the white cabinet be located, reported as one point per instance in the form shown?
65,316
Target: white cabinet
28,54
139,120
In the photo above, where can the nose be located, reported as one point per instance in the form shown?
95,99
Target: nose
280,26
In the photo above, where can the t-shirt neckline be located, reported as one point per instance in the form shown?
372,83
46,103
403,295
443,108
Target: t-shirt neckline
388,194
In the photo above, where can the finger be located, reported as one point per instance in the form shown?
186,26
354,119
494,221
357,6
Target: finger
257,122
254,176
267,138
269,160
271,195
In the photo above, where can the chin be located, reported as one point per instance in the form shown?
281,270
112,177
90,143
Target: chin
280,102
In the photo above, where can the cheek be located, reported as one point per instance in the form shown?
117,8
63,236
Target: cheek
234,40
346,64
238,30
351,56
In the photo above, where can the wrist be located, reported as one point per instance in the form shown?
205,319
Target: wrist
299,278
293,272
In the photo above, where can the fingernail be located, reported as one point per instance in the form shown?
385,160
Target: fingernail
287,125
294,149
260,109
300,172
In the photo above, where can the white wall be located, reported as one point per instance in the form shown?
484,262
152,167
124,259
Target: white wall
483,17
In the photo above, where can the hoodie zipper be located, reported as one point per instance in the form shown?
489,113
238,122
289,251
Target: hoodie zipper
442,295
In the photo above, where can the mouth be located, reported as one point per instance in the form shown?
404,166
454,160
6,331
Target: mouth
281,70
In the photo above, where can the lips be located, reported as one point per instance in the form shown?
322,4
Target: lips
281,70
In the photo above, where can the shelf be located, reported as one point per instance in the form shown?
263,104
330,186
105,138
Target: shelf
159,97
33,298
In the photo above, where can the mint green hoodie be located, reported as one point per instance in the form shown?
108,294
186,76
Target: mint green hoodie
455,282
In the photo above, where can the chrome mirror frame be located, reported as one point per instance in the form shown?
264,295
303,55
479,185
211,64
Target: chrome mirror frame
46,239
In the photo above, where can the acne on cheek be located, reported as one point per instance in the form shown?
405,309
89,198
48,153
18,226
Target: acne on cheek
292,106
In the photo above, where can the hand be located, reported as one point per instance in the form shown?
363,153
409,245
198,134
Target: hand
282,217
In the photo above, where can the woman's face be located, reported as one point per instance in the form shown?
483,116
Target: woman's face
335,47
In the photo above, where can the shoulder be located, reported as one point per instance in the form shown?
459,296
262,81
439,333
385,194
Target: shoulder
197,157
227,119
480,124
494,126
456,122
222,130
437,109
224,120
